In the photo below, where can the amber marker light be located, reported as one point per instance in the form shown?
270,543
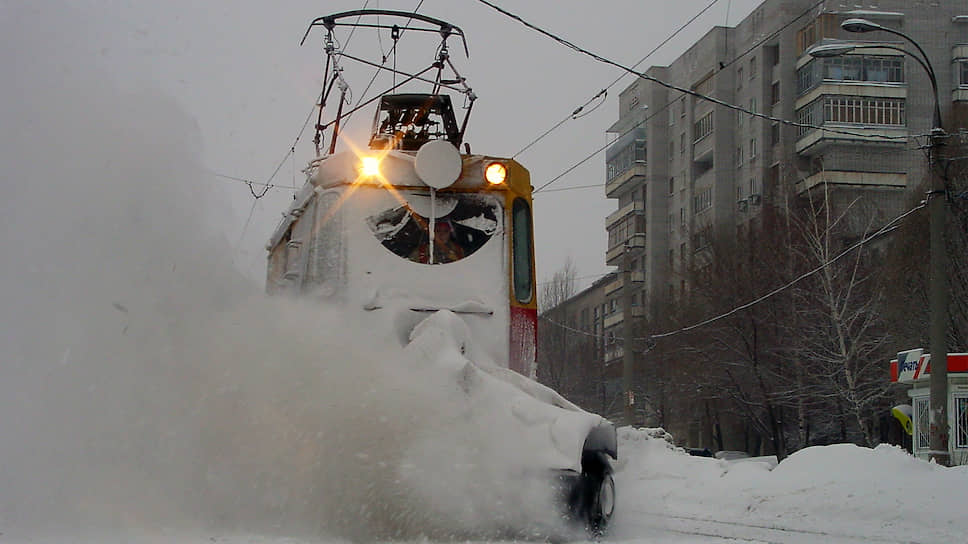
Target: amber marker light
370,167
495,173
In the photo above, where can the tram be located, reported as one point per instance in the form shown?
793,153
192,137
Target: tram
409,227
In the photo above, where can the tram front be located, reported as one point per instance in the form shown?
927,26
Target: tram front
418,237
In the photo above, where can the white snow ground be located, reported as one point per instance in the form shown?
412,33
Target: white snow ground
831,494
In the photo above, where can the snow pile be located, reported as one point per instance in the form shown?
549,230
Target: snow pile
846,490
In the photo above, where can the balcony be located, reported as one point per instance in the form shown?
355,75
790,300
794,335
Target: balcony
613,257
867,89
637,277
618,317
636,206
866,179
625,180
816,141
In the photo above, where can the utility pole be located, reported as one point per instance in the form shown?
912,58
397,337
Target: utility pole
628,332
937,288
938,304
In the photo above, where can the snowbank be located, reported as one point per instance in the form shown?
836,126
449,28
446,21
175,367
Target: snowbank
879,493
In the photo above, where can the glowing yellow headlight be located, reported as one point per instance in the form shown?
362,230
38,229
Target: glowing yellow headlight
370,167
496,173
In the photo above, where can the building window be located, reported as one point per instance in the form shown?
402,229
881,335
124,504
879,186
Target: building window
682,217
753,105
752,149
739,156
852,110
672,185
963,71
625,229
625,153
921,423
682,143
961,421
672,225
753,190
702,200
739,78
703,127
775,93
872,68
867,111
682,107
774,133
752,68
824,26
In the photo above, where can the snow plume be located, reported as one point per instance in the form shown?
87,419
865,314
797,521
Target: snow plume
146,385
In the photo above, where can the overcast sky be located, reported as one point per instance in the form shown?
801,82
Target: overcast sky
237,71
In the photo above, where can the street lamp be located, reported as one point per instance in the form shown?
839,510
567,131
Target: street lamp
937,292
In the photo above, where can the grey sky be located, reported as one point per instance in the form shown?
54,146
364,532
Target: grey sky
237,70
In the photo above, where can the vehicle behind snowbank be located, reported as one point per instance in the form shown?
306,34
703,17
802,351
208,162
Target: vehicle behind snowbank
434,248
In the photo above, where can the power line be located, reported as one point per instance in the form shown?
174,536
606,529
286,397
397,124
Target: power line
773,34
673,101
602,275
602,148
574,188
250,182
675,87
604,91
393,51
889,226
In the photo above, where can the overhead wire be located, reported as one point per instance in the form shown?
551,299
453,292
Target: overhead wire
679,88
673,101
602,148
887,227
604,92
385,57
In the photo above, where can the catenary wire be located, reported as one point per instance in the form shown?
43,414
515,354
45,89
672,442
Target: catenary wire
673,101
604,91
681,89
385,57
602,148
887,227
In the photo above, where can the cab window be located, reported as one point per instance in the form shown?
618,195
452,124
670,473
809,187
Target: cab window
521,248
467,223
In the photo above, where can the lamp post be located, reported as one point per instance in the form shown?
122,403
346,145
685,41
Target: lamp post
937,291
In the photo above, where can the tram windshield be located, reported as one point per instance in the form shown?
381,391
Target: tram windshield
462,224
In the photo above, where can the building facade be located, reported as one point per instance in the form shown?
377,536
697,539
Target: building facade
682,167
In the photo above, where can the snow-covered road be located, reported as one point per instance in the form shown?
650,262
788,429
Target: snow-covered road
840,494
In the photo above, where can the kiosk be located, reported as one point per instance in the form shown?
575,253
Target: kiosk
913,367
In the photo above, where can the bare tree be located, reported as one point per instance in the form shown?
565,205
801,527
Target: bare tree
841,332
560,347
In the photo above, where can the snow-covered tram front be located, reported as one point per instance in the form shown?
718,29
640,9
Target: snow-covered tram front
432,249
369,230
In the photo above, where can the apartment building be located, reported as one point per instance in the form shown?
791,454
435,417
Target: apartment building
573,347
682,167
